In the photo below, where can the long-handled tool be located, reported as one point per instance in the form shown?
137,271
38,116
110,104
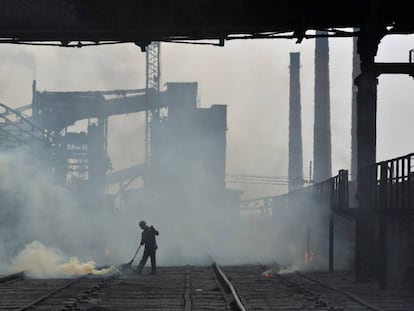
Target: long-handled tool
129,264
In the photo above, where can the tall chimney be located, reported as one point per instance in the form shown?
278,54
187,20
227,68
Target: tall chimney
356,64
295,170
322,127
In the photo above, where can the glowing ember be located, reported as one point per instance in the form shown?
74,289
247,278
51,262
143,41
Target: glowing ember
267,273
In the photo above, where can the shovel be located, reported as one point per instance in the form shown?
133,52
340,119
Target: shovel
129,264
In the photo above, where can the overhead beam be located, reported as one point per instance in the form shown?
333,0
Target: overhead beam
393,68
132,21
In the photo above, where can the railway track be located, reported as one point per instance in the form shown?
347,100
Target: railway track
292,291
174,288
339,299
179,288
11,277
17,292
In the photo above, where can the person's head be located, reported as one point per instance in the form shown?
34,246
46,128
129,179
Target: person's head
142,224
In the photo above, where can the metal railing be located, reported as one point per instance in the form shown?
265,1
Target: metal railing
385,189
388,185
332,193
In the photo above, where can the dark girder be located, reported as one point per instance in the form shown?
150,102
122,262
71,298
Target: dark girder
142,21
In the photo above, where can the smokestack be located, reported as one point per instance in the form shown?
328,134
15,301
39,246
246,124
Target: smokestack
35,109
295,170
356,64
322,127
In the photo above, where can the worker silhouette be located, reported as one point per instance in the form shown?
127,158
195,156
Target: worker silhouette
148,239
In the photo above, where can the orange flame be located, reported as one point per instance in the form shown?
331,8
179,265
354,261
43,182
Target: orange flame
107,251
309,256
267,273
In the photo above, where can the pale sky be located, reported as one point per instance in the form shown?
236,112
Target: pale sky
251,77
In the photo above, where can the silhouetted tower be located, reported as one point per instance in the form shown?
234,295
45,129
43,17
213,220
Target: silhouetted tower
153,78
295,170
356,64
322,127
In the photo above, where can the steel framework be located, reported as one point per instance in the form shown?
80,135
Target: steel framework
16,129
153,78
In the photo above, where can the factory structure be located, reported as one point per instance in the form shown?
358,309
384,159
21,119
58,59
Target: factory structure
79,159
180,169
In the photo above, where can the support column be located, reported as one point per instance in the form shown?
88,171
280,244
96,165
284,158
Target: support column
367,46
331,241
366,118
382,269
366,151
356,65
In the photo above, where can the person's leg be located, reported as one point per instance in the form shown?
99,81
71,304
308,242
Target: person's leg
153,262
143,261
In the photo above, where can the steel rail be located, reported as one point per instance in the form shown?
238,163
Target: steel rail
187,293
52,292
15,276
348,294
229,286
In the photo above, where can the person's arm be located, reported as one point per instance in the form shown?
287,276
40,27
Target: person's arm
155,231
142,238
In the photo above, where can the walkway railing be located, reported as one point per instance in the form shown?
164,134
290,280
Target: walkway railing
385,216
389,185
332,193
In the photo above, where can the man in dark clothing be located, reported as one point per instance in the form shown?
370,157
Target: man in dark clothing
148,239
